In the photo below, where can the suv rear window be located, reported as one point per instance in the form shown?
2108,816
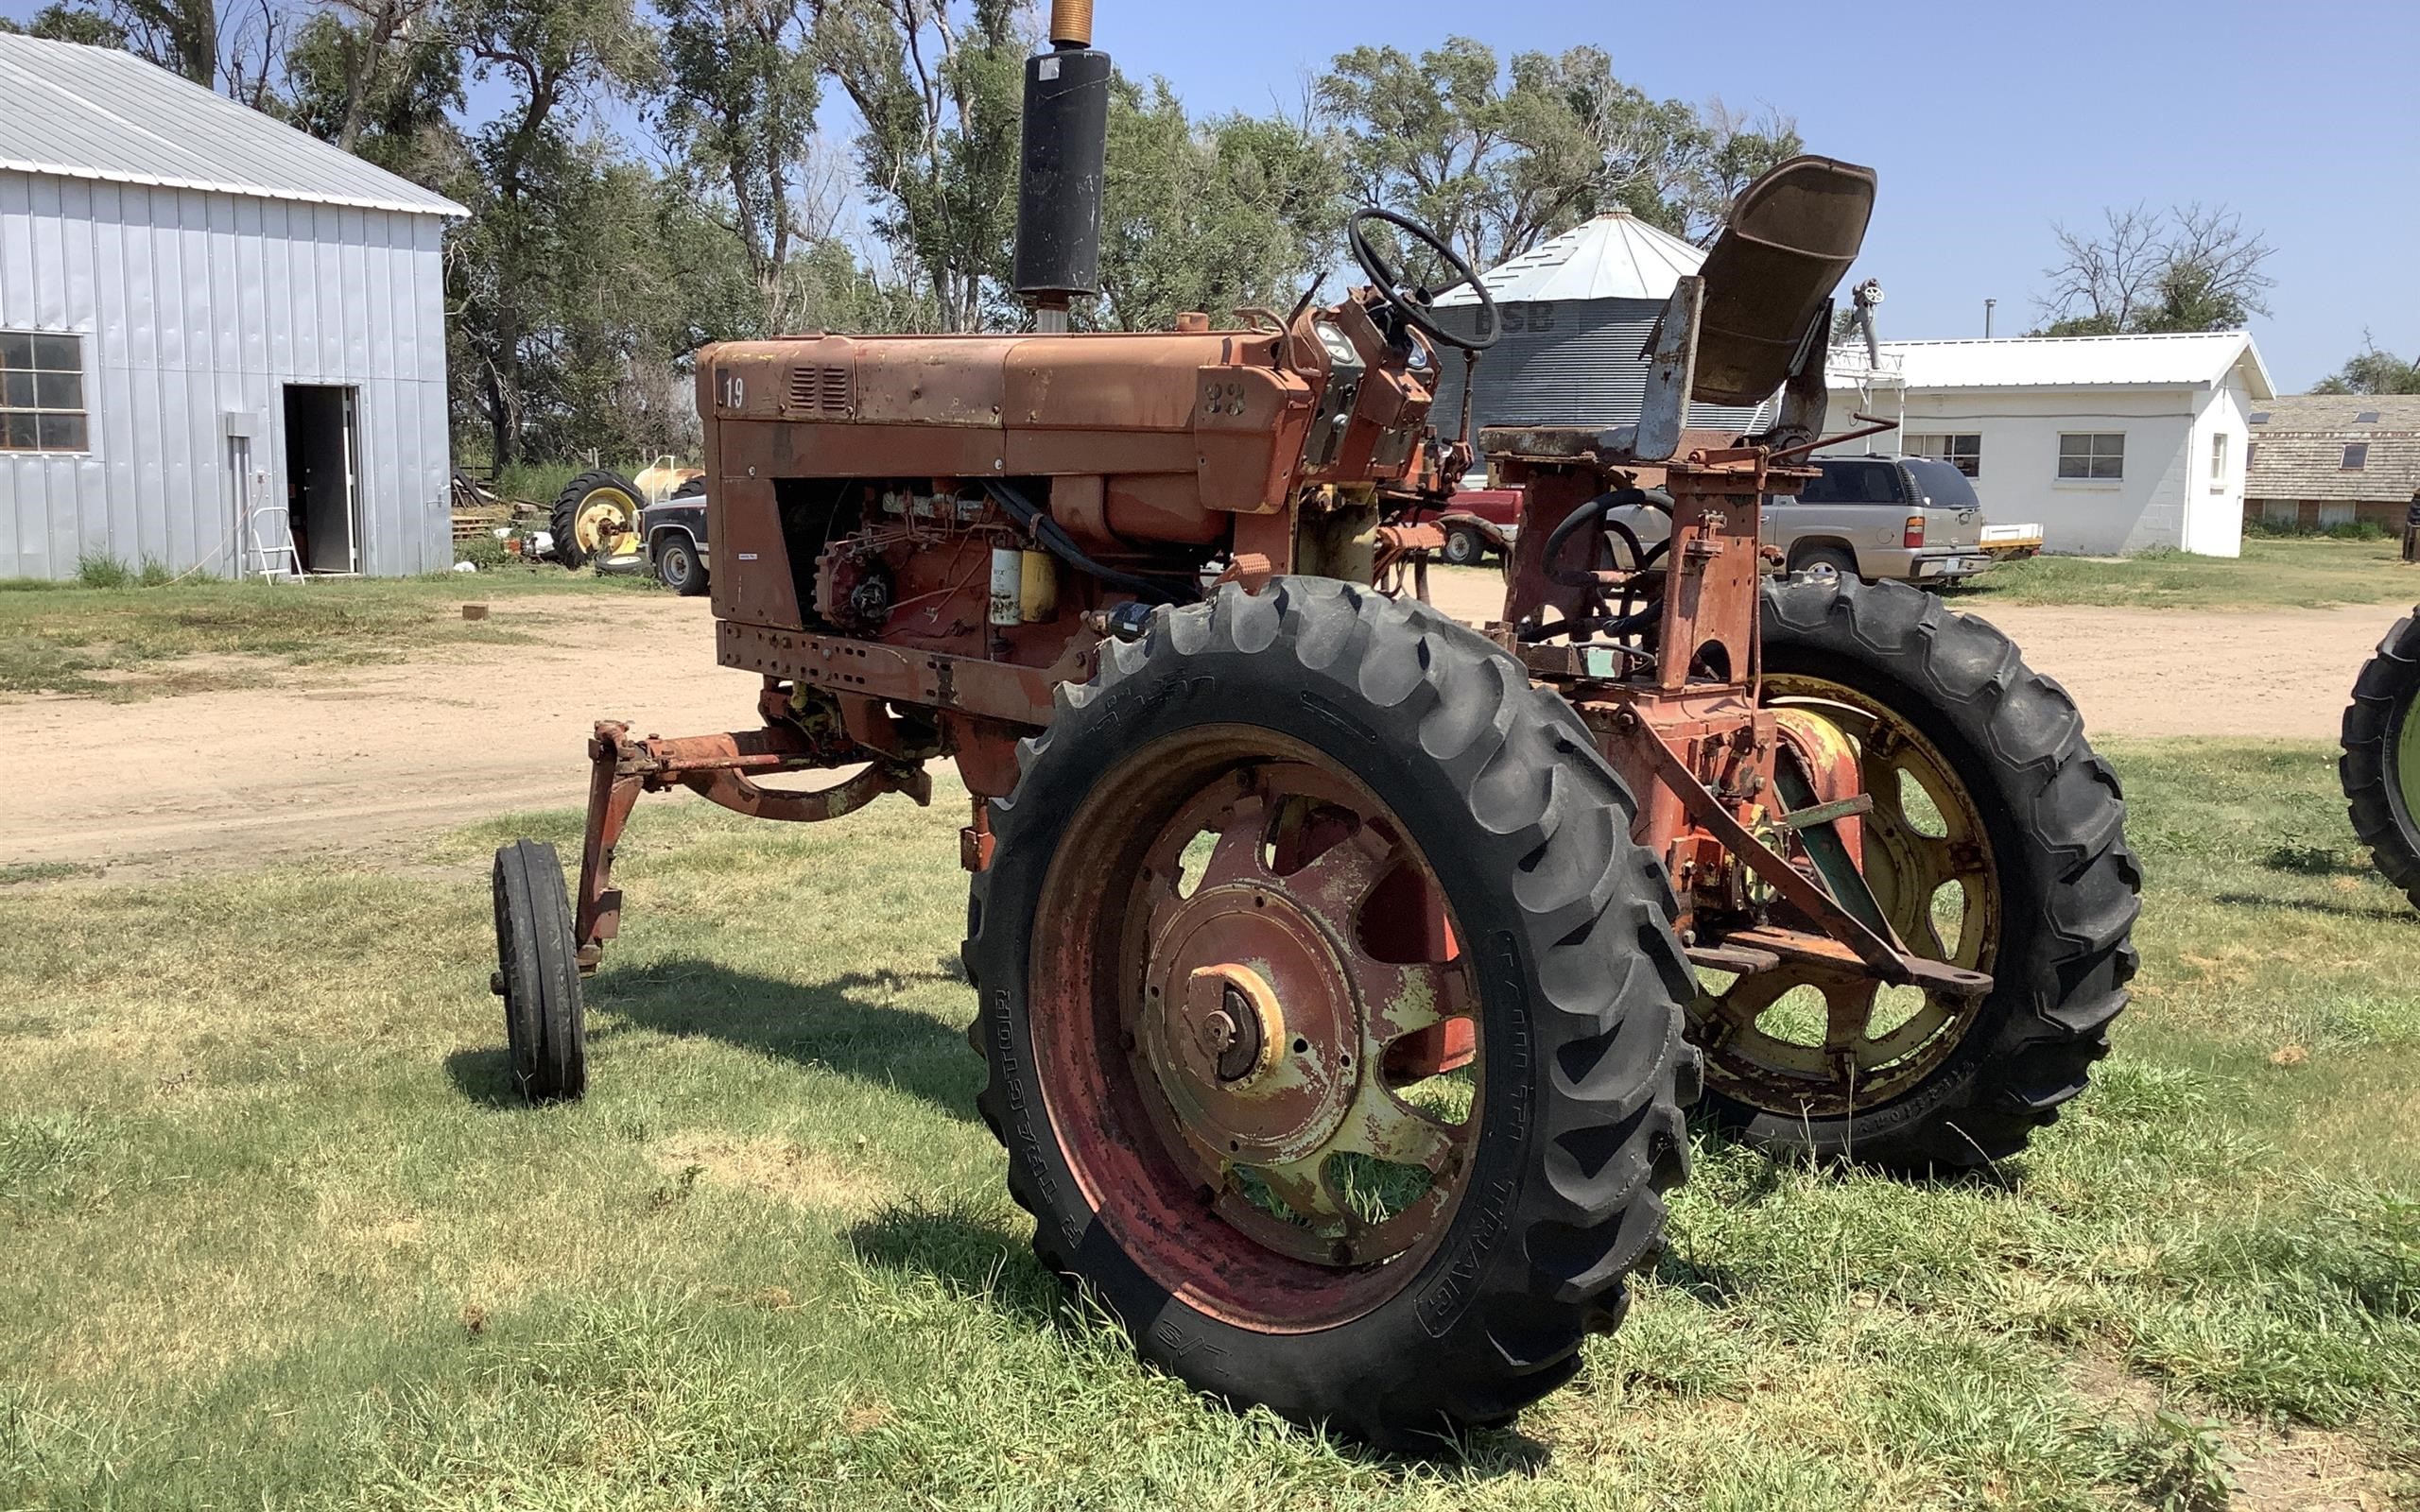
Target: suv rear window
1942,484
1852,480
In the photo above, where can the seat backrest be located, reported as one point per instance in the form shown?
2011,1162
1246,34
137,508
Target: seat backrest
1770,276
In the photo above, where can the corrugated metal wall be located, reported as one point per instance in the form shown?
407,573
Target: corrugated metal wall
196,307
1570,362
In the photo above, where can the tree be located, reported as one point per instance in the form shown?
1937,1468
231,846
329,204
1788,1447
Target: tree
1498,160
1212,216
385,68
380,79
60,23
938,91
234,46
1422,133
2189,269
2372,371
542,201
741,88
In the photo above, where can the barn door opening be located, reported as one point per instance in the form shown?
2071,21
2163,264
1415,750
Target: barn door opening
323,501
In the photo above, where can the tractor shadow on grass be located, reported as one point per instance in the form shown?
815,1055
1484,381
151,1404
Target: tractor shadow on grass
2376,913
980,1251
845,1024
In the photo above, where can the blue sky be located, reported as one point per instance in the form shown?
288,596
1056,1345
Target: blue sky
1987,123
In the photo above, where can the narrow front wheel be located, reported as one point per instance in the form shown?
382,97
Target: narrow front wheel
538,973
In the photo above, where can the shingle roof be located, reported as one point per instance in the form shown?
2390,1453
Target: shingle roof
2189,360
2339,412
2298,453
95,113
1615,256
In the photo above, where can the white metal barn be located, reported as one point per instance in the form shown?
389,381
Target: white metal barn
222,342
2110,443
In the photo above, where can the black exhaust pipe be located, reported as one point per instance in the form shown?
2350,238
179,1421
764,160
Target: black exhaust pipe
1064,149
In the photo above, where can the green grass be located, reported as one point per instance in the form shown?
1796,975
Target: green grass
2303,571
44,871
125,642
279,1237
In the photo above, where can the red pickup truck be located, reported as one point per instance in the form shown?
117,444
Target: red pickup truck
1478,522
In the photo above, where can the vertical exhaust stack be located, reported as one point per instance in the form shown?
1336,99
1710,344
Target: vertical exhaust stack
1060,163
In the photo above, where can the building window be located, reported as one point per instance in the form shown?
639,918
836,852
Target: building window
2098,455
2259,417
41,392
2217,458
1964,453
2367,417
2250,450
2357,456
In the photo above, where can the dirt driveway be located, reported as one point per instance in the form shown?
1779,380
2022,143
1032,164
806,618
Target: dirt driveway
329,762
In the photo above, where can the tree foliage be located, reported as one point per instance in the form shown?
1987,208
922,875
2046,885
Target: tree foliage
2189,269
2372,371
938,91
851,165
1496,161
1209,216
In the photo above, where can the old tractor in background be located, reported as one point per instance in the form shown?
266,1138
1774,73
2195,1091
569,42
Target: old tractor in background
1343,971
2380,767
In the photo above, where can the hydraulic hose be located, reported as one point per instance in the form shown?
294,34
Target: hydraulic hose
1062,546
1597,508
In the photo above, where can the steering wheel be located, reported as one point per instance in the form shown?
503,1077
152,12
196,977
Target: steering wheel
1413,302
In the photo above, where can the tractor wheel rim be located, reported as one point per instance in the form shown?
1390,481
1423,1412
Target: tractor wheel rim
1236,1080
602,525
1807,1042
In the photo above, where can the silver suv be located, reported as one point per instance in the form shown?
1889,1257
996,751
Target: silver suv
1911,518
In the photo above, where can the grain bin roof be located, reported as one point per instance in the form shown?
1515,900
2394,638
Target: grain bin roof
1615,256
95,113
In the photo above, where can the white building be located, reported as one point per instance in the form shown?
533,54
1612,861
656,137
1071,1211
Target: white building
2110,443
219,338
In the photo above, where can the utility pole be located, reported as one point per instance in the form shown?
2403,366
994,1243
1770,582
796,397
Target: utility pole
1987,318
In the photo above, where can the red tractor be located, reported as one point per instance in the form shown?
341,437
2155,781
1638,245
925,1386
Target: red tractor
1343,971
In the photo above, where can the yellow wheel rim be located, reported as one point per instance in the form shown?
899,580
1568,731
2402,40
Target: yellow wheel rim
1784,1040
606,523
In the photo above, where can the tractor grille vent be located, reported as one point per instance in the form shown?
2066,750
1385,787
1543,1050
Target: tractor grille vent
819,390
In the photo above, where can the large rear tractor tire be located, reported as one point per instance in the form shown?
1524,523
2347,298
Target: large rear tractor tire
1333,1020
596,517
1996,842
538,974
2380,767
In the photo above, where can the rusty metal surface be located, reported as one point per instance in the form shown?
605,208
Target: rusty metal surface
1214,1034
718,768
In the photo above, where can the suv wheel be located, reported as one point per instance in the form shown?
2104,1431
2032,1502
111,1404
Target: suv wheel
1832,557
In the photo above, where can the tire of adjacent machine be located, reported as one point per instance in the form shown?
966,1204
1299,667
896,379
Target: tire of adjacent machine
2054,818
1579,981
538,974
578,494
2380,767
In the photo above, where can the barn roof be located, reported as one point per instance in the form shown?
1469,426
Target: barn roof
1615,256
96,112
2299,449
2201,359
